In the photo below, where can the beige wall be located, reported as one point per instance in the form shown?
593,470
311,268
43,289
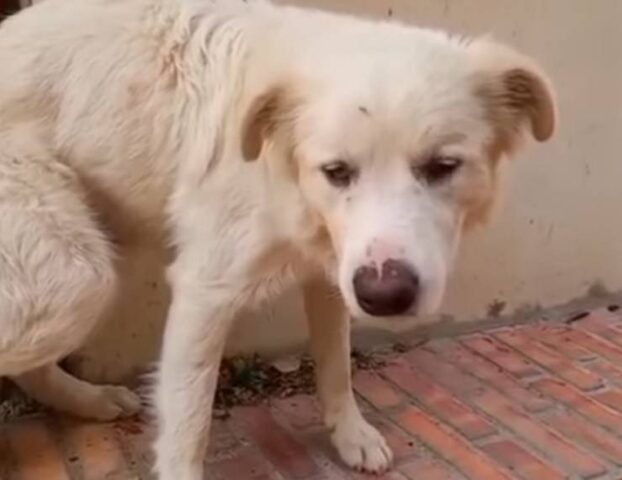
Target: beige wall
559,230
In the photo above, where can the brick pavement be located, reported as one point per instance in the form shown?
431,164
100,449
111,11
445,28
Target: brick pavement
535,402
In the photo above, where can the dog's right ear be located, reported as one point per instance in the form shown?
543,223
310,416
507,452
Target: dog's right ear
267,114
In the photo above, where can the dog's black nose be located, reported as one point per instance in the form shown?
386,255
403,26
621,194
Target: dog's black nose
389,292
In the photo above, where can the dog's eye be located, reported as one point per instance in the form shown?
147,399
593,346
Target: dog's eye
438,169
339,173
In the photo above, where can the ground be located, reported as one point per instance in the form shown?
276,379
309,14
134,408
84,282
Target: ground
534,402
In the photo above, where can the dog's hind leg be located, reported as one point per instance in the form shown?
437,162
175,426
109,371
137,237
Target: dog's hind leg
57,276
359,444
55,388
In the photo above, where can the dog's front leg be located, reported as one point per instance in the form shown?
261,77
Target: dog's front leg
359,444
199,319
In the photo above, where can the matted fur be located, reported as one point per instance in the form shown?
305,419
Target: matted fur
207,125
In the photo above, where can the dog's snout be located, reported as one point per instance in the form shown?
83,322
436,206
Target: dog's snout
391,291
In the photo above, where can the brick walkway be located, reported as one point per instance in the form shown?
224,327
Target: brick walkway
541,402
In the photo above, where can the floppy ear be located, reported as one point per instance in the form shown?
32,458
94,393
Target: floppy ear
517,94
267,114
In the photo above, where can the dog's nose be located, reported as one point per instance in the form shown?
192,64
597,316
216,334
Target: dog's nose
389,292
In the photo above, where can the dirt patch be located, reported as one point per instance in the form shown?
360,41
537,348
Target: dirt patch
14,403
250,380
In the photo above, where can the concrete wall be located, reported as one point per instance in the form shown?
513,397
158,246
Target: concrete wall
558,232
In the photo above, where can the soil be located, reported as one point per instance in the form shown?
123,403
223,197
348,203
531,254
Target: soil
14,403
250,380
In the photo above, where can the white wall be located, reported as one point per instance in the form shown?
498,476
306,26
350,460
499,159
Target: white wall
559,230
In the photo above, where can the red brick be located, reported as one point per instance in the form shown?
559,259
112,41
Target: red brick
427,469
597,345
286,454
501,356
404,446
453,384
248,465
377,391
585,405
352,475
520,461
378,401
548,336
224,444
450,446
6,461
489,373
612,398
608,333
550,359
37,455
137,437
301,411
438,400
598,441
512,416
394,476
99,452
602,322
607,370
274,476
443,372
535,433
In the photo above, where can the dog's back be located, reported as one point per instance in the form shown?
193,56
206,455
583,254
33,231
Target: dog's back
88,83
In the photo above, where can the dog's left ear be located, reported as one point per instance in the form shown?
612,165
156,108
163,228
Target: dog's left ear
517,93
266,116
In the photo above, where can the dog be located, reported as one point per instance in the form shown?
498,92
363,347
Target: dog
268,145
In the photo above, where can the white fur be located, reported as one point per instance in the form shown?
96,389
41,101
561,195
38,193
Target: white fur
125,119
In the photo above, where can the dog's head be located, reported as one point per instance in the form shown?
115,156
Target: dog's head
396,151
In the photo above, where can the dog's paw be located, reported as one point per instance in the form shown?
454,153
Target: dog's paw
361,446
111,402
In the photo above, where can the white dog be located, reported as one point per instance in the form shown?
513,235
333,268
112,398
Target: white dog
268,145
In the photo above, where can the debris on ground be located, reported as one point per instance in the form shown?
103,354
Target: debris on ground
287,364
14,403
251,380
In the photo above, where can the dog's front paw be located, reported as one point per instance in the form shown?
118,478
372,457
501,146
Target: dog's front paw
361,446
